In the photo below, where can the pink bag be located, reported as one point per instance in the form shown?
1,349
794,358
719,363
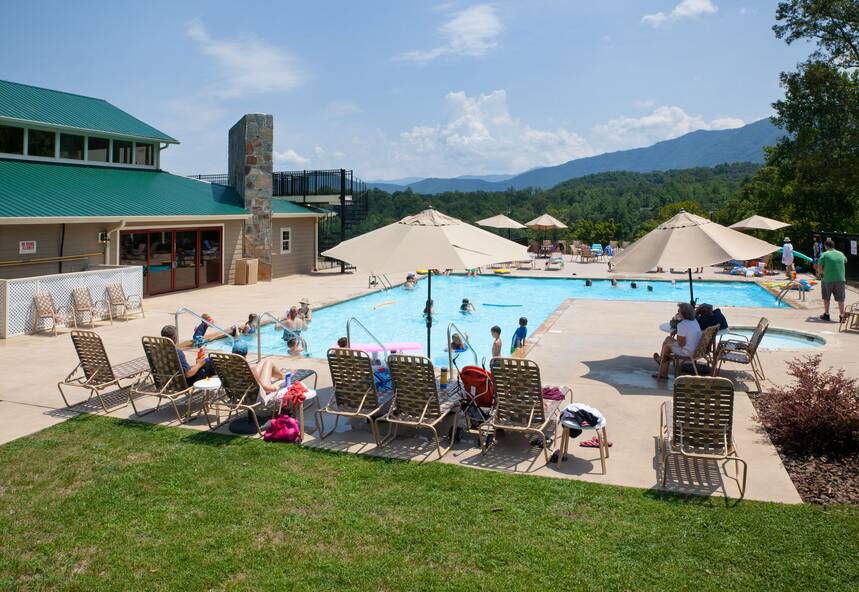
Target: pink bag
282,428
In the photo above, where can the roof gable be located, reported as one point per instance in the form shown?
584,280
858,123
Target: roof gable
32,104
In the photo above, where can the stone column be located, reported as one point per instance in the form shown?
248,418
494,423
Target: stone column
249,166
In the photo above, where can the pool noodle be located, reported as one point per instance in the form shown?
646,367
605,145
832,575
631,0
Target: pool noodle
396,345
505,305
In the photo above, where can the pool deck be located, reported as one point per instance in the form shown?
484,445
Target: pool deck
601,349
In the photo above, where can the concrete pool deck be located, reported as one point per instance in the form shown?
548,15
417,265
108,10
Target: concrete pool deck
601,349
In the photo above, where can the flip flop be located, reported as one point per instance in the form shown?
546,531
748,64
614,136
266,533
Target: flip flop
593,443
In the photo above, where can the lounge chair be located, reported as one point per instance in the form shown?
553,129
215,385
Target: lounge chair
555,263
525,264
45,309
165,379
240,389
850,318
355,393
519,403
417,402
704,351
698,423
94,372
124,306
744,351
586,255
83,305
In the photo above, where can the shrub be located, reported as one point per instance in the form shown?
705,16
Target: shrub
817,414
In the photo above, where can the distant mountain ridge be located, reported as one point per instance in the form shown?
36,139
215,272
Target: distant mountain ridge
701,148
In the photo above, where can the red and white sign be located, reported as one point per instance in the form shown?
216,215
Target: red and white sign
26,247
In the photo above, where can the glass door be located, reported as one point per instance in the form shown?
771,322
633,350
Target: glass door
160,262
210,257
185,268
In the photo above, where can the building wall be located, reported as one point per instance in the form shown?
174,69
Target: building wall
302,256
79,239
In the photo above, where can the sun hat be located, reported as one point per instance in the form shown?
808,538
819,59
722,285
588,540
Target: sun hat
787,239
304,300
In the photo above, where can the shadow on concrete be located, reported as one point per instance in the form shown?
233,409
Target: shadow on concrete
626,372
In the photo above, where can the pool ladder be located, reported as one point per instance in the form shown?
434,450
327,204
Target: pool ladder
367,331
280,324
786,290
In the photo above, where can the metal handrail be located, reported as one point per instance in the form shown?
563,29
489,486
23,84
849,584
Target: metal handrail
280,324
367,331
450,326
184,310
786,290
390,285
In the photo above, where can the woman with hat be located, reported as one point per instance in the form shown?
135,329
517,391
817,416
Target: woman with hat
304,310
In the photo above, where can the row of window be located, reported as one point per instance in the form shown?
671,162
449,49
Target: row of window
71,146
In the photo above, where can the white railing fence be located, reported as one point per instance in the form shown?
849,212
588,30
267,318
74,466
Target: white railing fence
16,295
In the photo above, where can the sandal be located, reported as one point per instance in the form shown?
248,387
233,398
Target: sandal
593,443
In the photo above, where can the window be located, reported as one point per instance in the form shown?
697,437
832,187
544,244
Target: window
98,149
71,146
11,139
285,240
144,154
122,152
40,143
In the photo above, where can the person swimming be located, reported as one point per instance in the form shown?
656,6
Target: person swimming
466,307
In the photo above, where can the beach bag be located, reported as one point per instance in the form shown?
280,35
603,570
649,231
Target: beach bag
282,428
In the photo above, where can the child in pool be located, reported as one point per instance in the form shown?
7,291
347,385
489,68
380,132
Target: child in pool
519,335
496,343
466,307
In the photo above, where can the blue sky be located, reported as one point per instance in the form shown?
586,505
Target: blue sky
396,89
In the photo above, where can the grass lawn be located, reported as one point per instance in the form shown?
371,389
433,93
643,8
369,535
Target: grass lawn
100,504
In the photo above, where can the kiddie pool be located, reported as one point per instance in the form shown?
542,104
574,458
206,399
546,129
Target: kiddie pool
775,338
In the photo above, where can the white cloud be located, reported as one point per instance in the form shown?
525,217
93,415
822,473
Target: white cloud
663,123
245,65
290,156
473,31
685,9
481,136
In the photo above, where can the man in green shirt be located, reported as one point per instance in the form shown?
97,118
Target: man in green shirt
832,264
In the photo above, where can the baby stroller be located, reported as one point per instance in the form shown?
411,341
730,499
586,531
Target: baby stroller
477,400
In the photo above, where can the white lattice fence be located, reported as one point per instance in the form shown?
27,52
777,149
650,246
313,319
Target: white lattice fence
17,308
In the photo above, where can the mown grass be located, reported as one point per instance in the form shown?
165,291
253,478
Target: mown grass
101,504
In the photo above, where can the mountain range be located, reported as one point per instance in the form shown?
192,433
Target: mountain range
701,148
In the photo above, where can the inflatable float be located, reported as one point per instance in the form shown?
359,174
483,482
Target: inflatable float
501,271
385,303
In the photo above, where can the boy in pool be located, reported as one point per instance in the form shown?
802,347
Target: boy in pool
519,335
496,343
342,343
294,345
466,307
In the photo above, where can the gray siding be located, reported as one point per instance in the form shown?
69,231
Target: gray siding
302,256
79,239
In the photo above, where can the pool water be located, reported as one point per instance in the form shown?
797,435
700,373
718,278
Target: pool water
782,339
396,315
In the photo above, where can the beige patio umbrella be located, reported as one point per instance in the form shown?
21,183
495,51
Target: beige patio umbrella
500,221
758,223
687,240
428,240
545,222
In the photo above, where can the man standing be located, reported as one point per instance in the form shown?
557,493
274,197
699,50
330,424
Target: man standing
787,257
832,266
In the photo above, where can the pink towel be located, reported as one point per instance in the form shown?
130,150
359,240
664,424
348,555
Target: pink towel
553,393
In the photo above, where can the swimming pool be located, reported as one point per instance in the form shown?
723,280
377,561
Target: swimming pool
395,315
782,338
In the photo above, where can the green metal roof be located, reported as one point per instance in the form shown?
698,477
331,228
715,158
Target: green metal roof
48,190
32,104
284,206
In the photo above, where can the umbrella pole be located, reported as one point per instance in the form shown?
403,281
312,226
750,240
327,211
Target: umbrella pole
429,312
691,292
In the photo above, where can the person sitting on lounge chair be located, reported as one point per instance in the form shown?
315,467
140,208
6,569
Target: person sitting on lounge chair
268,376
202,367
683,340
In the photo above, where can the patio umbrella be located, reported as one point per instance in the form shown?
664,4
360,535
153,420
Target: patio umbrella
545,222
428,240
758,223
687,240
500,221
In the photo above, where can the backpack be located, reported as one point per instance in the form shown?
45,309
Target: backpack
282,428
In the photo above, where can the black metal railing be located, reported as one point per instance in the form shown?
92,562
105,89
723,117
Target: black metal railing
349,212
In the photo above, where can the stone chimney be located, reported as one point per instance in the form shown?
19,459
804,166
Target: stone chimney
249,166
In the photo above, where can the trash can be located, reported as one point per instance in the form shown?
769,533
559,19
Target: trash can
246,270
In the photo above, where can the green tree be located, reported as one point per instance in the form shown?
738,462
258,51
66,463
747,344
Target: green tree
833,24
